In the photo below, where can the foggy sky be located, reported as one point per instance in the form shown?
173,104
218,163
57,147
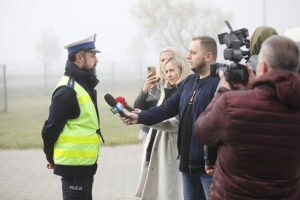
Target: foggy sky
22,23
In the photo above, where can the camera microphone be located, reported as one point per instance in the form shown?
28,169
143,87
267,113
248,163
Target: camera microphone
117,107
124,103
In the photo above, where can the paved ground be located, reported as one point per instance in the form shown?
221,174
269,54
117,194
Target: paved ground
23,175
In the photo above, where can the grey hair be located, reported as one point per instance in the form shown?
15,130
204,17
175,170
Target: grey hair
280,52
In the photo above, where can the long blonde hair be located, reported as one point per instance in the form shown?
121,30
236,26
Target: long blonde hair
184,70
182,65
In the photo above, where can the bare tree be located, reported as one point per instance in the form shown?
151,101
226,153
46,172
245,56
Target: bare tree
175,22
48,48
48,51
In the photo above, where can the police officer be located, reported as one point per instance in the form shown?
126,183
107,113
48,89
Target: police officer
71,135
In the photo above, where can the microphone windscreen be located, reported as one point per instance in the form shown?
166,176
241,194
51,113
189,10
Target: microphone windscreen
110,100
121,100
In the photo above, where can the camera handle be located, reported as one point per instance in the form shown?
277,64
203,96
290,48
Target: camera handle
229,26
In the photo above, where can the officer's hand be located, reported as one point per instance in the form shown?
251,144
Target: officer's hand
49,165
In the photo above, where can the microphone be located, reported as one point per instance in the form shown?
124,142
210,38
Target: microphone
124,103
116,107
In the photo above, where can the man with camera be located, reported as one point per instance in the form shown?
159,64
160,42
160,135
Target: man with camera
257,130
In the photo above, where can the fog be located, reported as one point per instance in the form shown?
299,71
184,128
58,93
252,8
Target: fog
23,22
27,82
119,35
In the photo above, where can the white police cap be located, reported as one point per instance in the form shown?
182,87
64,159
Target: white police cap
87,44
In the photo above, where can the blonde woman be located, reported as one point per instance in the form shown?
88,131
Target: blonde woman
160,178
151,90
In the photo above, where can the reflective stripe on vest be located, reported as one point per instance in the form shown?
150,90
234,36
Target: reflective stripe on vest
78,143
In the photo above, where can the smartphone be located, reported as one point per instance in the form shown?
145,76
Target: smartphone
151,69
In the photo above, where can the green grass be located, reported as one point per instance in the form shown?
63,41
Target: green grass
21,126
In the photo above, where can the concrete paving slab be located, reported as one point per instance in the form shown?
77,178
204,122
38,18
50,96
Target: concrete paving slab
24,176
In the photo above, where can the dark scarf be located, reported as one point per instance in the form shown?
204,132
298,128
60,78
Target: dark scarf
169,91
81,76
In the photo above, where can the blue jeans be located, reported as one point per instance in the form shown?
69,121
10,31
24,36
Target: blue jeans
196,185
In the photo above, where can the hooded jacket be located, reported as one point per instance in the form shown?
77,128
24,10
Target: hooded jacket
259,36
258,134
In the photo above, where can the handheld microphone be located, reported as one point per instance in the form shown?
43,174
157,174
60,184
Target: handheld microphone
116,107
124,103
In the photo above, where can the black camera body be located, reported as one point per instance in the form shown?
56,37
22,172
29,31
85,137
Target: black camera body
234,72
234,40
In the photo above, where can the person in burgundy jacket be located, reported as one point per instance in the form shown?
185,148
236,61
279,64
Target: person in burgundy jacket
257,131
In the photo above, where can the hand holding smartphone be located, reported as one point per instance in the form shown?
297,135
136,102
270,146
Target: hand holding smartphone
151,79
151,69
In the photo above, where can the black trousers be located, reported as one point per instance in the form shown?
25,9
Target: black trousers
77,187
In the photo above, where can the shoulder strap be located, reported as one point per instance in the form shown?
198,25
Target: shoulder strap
70,83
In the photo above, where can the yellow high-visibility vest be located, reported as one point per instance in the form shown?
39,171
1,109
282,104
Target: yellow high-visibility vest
78,142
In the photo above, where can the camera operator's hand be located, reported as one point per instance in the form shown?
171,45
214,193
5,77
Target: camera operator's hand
238,86
251,78
223,82
150,82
